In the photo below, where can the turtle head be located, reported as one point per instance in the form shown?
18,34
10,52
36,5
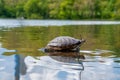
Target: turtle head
82,40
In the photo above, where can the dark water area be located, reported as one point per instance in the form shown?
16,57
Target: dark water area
22,59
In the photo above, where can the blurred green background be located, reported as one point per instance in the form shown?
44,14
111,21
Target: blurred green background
61,9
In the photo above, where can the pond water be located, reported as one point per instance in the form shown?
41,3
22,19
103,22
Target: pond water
21,57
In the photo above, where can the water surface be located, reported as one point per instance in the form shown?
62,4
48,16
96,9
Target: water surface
22,59
24,22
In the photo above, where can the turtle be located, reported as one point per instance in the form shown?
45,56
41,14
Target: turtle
64,43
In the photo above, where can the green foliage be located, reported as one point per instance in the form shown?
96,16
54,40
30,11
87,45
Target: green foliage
20,11
31,7
60,9
36,9
2,9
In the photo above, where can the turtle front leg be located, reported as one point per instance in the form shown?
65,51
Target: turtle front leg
76,49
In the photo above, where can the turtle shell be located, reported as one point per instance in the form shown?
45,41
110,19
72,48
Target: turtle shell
63,43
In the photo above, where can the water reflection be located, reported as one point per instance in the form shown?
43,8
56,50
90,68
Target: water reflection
11,66
68,58
58,66
7,68
54,67
20,66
